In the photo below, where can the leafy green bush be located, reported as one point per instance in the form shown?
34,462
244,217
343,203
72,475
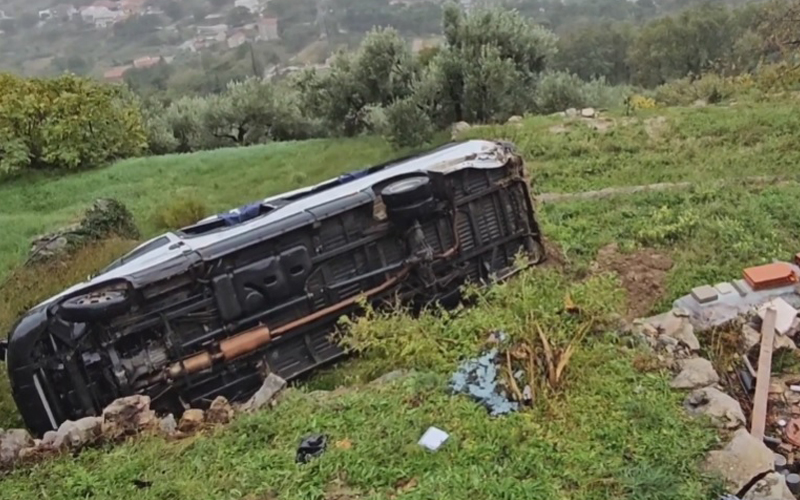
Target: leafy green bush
437,339
180,212
558,91
407,124
66,123
160,139
710,87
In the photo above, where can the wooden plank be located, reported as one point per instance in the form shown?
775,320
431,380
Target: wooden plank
758,419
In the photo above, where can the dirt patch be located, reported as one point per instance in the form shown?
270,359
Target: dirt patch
555,256
642,274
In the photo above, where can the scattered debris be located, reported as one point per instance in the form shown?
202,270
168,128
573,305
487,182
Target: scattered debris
704,294
310,447
723,410
771,487
786,314
729,306
672,328
515,120
433,438
792,431
478,378
741,460
695,373
775,275
793,482
759,416
272,385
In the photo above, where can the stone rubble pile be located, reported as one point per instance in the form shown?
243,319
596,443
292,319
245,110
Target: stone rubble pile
745,462
126,417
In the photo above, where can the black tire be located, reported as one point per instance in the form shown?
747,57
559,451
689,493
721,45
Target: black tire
406,192
95,306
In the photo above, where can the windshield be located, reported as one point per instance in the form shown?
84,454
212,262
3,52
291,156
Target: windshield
137,252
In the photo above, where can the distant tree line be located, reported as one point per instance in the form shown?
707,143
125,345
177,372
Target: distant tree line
493,64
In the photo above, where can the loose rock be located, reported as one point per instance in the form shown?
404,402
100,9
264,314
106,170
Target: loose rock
588,113
220,411
695,372
272,385
12,442
515,120
673,325
459,128
128,415
387,378
75,434
770,487
742,459
723,410
191,420
752,338
571,112
168,425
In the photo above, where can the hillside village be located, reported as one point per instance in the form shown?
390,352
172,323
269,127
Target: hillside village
228,27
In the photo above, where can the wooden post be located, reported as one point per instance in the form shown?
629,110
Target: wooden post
758,419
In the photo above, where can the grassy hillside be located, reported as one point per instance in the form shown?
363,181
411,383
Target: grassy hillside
221,179
615,430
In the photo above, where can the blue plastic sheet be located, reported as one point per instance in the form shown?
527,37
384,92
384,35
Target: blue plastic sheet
478,379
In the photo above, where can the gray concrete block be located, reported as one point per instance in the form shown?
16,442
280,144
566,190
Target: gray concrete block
704,294
724,288
742,287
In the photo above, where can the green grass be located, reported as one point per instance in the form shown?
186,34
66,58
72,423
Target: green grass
696,144
711,235
610,432
222,179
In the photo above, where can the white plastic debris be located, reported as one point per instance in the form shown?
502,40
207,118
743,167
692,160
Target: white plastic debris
794,388
786,314
782,423
433,438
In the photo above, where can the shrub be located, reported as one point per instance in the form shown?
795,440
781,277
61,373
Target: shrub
638,101
407,124
558,91
180,212
67,122
160,139
710,87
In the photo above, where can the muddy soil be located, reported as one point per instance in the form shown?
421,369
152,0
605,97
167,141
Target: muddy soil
642,273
